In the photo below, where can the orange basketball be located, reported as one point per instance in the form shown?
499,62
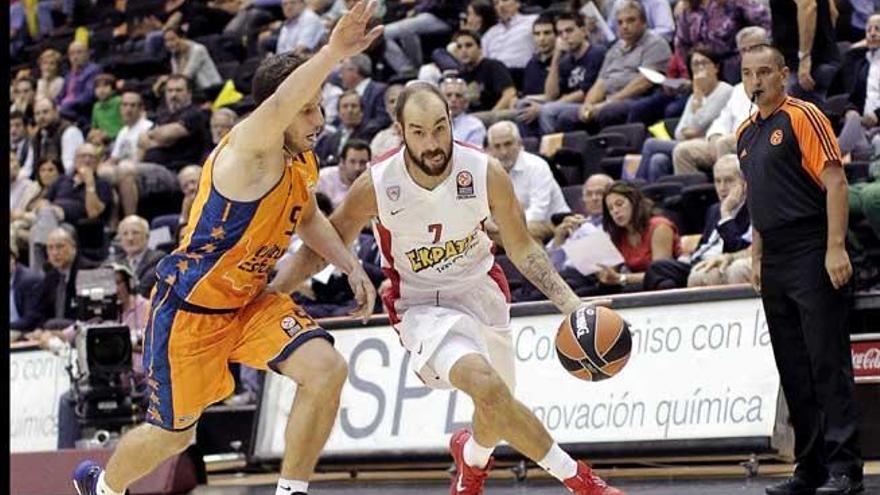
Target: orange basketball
593,343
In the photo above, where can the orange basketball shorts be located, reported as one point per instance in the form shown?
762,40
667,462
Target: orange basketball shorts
187,350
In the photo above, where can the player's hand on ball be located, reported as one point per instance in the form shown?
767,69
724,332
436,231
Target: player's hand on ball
364,293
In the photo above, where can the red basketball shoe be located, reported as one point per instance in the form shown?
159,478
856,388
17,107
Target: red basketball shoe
584,482
468,480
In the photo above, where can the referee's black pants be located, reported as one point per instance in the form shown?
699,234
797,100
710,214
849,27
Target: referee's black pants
807,320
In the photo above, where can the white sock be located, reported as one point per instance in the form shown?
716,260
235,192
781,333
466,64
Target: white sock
475,455
558,463
103,489
286,487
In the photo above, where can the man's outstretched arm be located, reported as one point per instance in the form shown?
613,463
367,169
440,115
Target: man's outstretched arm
349,218
263,130
527,255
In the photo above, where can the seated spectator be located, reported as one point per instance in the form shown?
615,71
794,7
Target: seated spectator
640,236
20,144
510,40
620,85
573,226
59,285
490,86
711,25
356,75
50,83
22,190
106,116
78,91
465,127
658,18
56,138
191,60
300,32
479,17
535,72
704,105
389,137
19,230
352,126
24,99
24,285
533,182
180,137
82,196
723,254
334,182
135,123
573,70
403,47
222,121
693,155
133,234
862,118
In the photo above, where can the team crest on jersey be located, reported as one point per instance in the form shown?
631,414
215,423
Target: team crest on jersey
393,192
465,183
776,137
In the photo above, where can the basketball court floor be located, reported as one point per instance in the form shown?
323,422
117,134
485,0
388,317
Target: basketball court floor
543,487
671,485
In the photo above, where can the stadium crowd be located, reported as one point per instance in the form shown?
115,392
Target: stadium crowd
610,115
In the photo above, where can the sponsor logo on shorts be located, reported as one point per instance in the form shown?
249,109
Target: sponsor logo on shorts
290,325
465,183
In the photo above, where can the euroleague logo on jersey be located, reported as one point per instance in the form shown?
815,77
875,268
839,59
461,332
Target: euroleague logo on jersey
776,137
464,181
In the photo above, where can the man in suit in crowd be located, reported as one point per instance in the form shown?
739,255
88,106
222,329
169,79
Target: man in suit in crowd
352,126
59,286
134,234
723,255
356,75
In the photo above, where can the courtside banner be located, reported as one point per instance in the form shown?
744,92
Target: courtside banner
37,379
700,370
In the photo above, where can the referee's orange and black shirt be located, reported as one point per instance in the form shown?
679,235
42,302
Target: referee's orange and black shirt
782,158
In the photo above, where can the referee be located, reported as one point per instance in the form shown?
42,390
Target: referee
797,198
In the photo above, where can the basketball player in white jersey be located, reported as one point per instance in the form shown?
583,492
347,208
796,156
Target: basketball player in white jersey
448,299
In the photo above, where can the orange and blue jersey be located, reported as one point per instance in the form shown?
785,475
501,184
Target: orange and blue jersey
208,306
228,247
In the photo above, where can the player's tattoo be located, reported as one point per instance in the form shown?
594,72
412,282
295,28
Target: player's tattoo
540,271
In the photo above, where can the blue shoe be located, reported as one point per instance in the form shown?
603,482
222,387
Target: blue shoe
85,478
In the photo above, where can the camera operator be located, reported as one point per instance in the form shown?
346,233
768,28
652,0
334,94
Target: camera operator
134,312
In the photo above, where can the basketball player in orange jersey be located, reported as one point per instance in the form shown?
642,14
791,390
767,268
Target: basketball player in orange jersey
211,305
448,299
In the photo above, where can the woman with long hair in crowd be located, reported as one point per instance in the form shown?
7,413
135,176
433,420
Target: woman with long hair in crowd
640,235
